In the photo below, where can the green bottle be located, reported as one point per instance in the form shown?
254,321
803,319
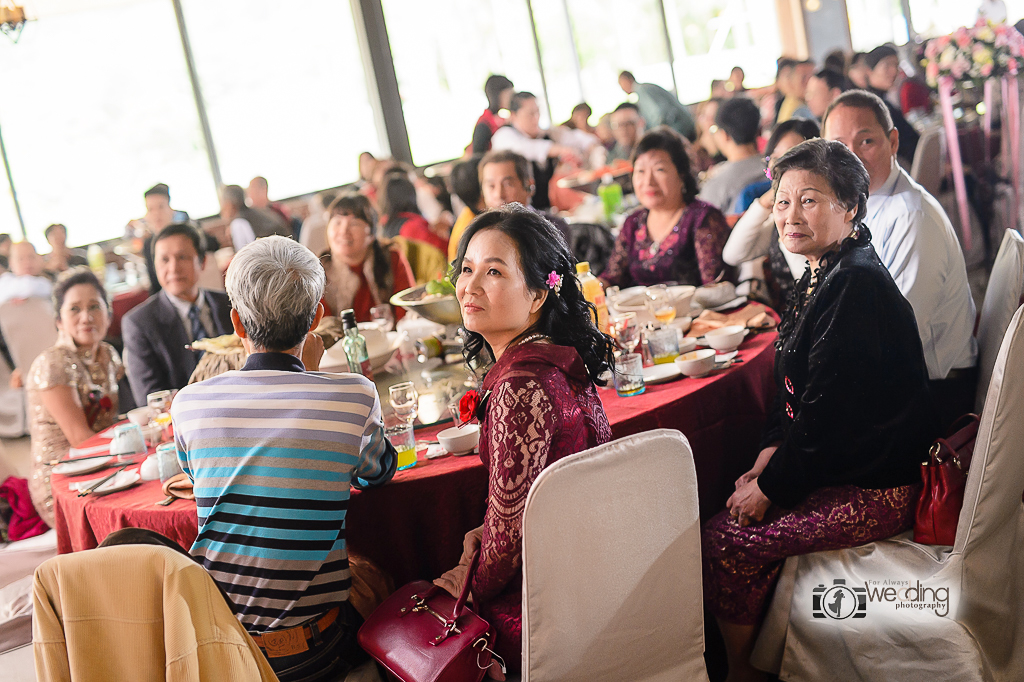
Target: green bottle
611,196
355,346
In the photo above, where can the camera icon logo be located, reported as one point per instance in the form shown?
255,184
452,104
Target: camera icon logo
839,601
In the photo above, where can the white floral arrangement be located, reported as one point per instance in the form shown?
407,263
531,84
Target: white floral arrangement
986,50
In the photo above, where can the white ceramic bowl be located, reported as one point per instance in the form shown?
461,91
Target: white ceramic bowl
141,415
683,323
687,344
632,300
714,295
460,441
696,363
726,338
681,296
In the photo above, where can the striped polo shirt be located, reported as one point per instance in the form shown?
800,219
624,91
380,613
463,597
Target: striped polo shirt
272,451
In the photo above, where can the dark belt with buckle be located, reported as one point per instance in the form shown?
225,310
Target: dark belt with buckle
295,640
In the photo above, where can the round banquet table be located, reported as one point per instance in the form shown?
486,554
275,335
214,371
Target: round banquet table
413,526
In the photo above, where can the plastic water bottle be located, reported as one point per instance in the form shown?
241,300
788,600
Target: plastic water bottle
593,291
97,261
611,196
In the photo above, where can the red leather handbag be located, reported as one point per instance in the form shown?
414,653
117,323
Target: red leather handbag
944,476
422,634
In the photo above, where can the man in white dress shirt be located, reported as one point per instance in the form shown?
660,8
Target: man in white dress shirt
917,244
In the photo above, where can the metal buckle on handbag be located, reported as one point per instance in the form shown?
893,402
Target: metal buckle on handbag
936,450
501,661
419,605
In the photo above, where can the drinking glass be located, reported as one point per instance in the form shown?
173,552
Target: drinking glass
158,401
405,400
629,375
625,330
663,344
659,302
383,317
404,442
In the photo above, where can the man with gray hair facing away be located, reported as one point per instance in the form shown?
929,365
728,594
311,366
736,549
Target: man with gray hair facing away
272,450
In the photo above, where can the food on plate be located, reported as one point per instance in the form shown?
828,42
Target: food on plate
439,287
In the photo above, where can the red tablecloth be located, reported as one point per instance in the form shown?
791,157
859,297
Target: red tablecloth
413,527
121,304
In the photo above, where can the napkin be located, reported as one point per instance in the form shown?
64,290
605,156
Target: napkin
752,316
179,485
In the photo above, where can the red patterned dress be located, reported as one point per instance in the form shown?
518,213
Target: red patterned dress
542,407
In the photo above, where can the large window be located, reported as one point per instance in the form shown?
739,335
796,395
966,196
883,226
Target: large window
711,37
285,91
97,108
876,22
443,52
612,36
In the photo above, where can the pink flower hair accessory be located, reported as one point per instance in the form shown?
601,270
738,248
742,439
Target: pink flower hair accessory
555,282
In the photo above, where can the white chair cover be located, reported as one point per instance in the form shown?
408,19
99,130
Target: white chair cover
13,408
28,328
928,168
1003,295
982,636
611,565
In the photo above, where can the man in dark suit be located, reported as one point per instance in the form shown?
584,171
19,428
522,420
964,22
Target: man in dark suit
155,333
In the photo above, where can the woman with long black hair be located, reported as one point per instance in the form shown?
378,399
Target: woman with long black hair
530,327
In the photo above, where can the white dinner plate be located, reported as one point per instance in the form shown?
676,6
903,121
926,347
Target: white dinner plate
660,374
725,357
82,466
735,303
123,479
95,450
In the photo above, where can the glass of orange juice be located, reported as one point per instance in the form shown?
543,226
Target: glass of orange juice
659,302
404,442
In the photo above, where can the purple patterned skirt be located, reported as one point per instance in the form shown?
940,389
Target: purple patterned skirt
741,565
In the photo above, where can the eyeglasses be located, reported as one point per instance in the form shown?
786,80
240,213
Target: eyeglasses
624,124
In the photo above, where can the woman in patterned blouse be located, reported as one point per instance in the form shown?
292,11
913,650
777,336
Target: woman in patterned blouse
674,237
523,309
71,386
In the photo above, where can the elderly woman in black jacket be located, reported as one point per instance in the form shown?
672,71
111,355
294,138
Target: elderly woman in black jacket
852,419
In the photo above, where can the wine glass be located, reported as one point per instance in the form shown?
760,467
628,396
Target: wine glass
659,302
405,400
382,316
625,330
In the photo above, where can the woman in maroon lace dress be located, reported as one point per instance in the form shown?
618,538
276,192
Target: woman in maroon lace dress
524,311
674,236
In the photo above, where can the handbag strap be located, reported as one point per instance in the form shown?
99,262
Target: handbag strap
461,602
958,446
964,430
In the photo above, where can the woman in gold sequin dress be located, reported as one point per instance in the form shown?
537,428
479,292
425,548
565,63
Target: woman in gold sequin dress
72,386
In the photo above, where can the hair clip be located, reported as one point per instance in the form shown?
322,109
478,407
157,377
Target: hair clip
555,282
768,173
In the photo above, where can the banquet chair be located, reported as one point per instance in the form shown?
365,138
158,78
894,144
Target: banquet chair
13,408
981,634
427,261
928,168
1003,295
29,329
137,612
611,565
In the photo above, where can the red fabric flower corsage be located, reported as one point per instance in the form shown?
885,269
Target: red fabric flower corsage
469,404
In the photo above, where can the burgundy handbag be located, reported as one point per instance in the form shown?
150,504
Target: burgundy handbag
423,634
944,476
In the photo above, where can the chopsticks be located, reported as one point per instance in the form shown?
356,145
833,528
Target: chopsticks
93,487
